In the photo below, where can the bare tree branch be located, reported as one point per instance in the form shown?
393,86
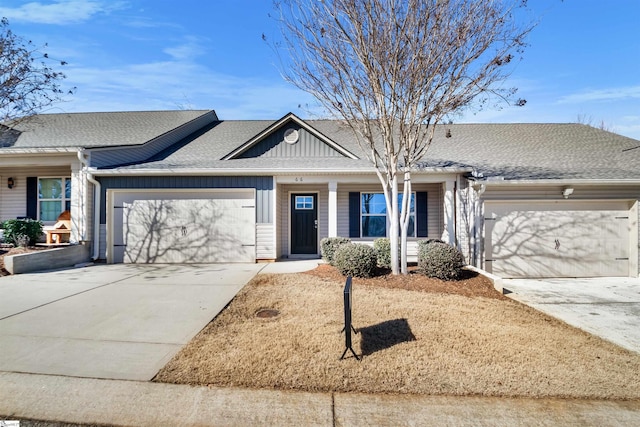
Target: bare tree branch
391,70
27,82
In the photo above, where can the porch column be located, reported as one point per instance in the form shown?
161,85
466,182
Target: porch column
333,209
449,233
78,201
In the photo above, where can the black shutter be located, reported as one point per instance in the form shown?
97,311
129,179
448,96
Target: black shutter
421,214
32,197
354,214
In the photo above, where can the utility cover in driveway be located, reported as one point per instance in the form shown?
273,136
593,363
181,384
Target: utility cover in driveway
167,227
557,239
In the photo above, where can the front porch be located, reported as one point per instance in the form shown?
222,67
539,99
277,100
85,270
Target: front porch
43,186
308,209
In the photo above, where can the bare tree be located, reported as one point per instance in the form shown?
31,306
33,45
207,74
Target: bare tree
27,83
583,119
393,69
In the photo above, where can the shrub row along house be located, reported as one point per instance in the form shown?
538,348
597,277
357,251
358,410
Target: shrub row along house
536,200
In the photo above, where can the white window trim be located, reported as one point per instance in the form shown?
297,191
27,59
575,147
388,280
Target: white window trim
63,201
304,203
415,225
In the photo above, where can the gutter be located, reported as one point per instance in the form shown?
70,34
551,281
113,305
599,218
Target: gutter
96,203
504,183
258,171
43,151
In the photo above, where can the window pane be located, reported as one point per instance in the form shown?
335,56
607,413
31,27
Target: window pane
411,232
412,203
49,211
67,188
374,226
304,202
50,188
373,203
67,205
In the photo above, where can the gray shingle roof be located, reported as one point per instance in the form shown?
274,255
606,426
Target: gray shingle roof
97,129
509,151
538,151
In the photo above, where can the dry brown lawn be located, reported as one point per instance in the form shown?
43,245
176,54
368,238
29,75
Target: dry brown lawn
454,338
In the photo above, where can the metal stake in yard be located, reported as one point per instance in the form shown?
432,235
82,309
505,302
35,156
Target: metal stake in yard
348,327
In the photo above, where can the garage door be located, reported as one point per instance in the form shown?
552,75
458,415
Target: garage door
182,226
557,239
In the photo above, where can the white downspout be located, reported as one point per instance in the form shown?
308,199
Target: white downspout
96,204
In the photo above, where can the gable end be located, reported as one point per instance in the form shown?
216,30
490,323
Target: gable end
275,145
271,142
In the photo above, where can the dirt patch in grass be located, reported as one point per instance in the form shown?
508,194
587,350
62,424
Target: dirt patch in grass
417,340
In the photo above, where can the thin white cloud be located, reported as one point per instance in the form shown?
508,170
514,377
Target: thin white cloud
609,94
60,12
190,49
176,84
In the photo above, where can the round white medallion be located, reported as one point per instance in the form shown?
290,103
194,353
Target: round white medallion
291,136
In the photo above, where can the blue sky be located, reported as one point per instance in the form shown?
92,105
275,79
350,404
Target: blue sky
583,60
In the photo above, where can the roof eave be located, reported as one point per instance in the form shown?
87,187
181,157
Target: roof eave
568,181
258,171
42,151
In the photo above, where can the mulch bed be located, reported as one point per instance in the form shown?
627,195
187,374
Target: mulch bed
471,284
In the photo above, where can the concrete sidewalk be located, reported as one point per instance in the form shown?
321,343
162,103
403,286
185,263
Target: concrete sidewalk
132,403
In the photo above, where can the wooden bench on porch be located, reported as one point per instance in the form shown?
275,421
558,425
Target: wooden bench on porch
61,231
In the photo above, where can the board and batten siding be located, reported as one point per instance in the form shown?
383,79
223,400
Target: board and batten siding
580,192
284,203
274,145
265,238
13,202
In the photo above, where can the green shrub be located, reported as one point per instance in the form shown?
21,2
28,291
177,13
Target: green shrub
329,245
14,228
440,260
383,251
357,260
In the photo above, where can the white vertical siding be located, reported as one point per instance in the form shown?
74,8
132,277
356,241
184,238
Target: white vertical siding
465,222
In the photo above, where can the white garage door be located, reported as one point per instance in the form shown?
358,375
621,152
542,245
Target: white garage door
182,226
557,239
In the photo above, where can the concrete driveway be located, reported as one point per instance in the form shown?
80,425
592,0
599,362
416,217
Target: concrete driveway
110,321
607,307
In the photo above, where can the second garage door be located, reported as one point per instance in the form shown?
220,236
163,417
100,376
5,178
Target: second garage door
182,226
557,239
